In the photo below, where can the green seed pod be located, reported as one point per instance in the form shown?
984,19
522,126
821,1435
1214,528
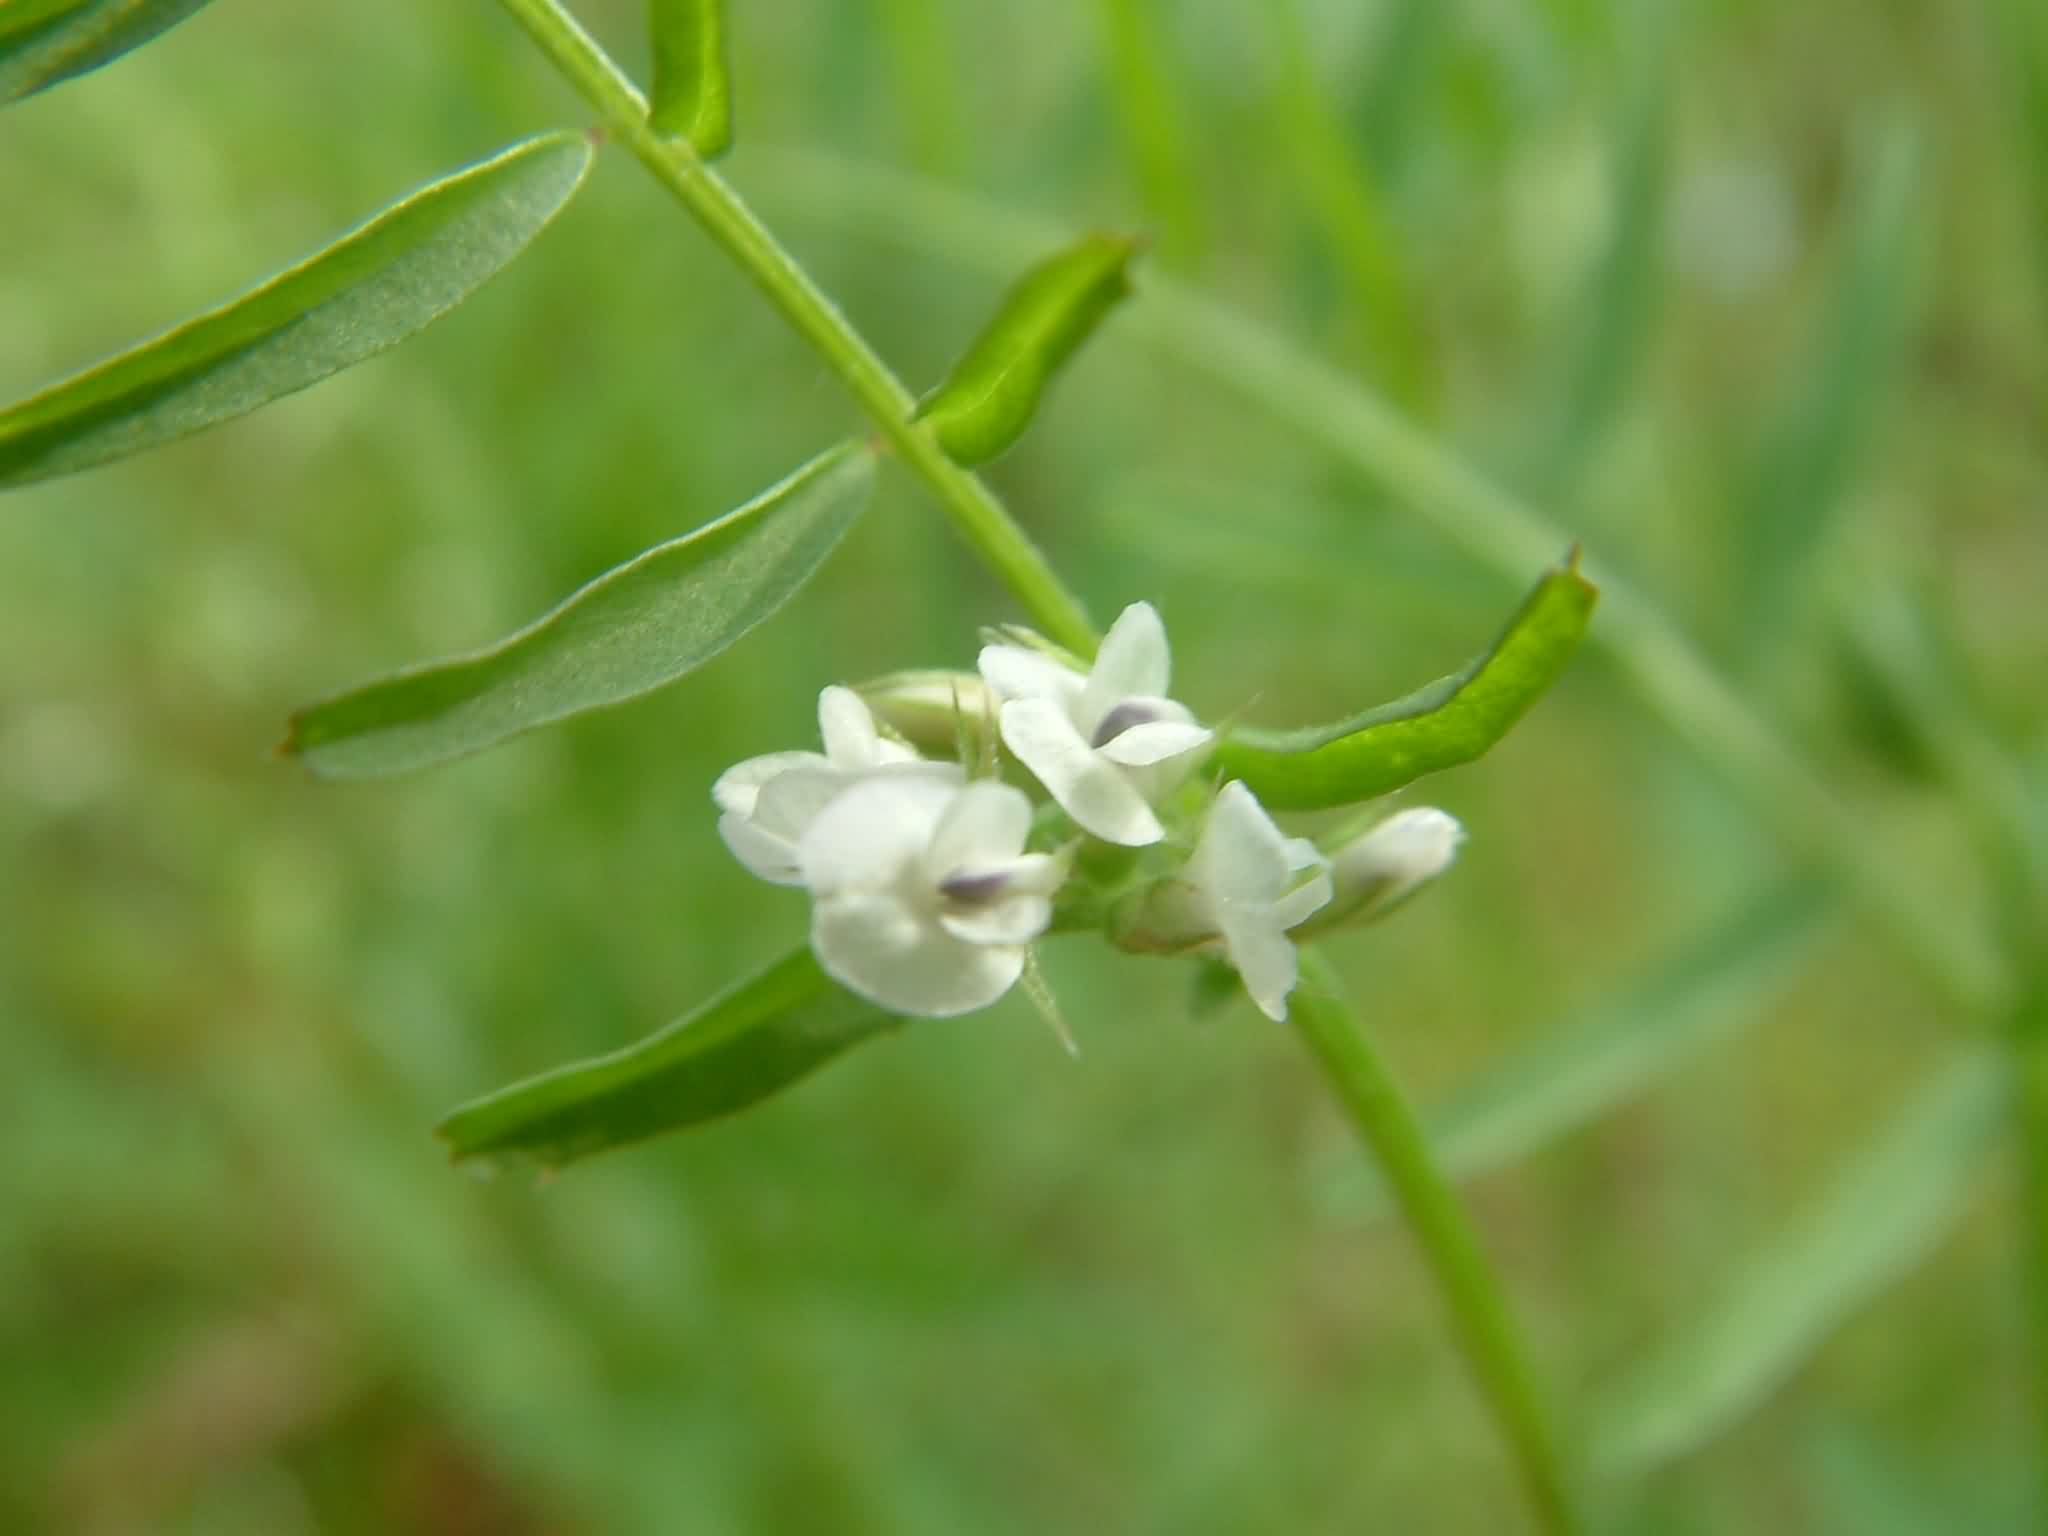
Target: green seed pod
692,97
993,391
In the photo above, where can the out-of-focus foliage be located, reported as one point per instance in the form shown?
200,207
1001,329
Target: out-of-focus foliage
957,1281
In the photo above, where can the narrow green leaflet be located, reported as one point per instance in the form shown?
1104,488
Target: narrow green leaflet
369,290
692,95
1453,720
1569,1077
993,391
753,1040
1877,1219
45,41
660,615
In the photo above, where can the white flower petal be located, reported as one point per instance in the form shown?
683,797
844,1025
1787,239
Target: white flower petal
872,831
1299,904
1133,661
738,787
1241,856
1094,792
1018,673
1144,745
1300,854
986,823
873,944
790,802
1265,961
772,858
1036,874
1010,920
846,727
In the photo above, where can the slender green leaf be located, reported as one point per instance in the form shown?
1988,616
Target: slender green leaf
993,391
692,95
1569,1077
1453,720
45,41
1877,1219
372,288
648,622
750,1041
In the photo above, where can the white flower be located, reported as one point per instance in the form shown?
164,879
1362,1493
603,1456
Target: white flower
923,895
768,801
1104,745
1375,873
1245,884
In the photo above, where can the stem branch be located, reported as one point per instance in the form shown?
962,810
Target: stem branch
1479,1312
966,499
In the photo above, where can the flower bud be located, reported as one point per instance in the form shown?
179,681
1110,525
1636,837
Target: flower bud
933,710
1375,873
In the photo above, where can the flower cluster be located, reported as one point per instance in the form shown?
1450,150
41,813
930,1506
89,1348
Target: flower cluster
926,894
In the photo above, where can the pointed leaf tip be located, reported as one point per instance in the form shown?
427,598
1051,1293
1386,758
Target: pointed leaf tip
45,42
1452,721
692,94
646,623
755,1039
994,390
368,291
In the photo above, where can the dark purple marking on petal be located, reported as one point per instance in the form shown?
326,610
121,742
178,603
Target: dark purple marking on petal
1120,719
966,888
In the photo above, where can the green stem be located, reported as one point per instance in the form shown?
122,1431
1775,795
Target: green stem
973,507
1479,1312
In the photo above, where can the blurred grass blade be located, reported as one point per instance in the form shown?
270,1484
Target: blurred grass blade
1453,720
660,615
1141,78
921,80
43,42
1616,314
692,94
1879,1217
1344,196
1811,450
993,392
1570,1077
2021,34
751,1041
369,290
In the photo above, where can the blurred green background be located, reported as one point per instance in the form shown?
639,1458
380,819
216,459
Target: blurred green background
1752,299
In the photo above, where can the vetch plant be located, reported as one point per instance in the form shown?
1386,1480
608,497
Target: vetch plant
931,869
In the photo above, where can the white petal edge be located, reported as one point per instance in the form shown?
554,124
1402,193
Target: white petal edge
871,830
1095,793
1133,661
986,823
1016,673
773,858
1304,901
1241,856
1016,919
739,786
1155,742
1265,961
874,946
